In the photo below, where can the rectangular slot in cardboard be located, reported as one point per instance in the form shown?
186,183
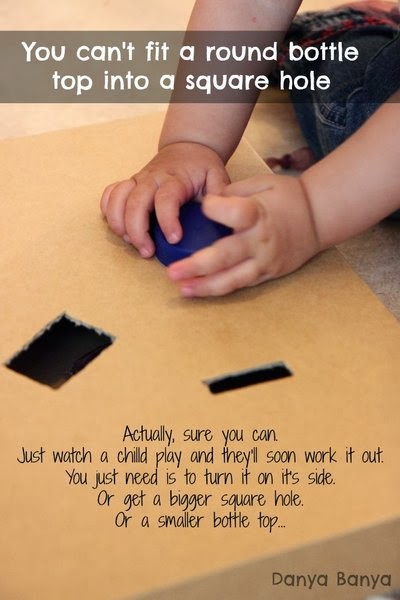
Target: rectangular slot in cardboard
260,374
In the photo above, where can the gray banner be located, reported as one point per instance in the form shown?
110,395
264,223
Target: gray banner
145,66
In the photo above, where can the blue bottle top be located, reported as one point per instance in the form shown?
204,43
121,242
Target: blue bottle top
198,232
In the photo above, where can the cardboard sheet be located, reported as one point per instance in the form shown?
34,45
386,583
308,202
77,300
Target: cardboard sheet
60,538
339,568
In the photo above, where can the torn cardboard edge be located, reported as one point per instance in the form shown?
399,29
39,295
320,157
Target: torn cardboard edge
60,350
247,377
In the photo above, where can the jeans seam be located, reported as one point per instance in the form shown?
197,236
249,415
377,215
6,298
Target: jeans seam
325,118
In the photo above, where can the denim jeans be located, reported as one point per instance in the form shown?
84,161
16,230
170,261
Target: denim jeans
329,117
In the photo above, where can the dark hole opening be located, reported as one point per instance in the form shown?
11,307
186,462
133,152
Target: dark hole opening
60,351
248,377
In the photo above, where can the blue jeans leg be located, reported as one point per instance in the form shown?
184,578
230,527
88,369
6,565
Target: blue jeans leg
358,88
329,117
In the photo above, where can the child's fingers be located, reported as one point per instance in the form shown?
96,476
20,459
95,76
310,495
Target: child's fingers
216,181
105,197
223,254
244,274
170,196
233,211
138,206
114,201
250,186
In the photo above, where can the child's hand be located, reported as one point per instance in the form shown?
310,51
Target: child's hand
177,173
274,234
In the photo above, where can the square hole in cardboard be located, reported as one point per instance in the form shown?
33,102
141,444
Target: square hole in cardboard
62,349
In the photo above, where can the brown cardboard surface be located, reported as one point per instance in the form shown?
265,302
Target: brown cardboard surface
355,565
58,256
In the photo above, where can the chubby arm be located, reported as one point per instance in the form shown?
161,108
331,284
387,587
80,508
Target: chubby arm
280,222
358,184
220,126
196,140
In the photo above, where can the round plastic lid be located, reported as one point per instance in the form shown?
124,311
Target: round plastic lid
198,232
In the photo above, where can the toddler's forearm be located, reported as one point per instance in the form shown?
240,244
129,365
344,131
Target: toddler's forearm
358,184
220,126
